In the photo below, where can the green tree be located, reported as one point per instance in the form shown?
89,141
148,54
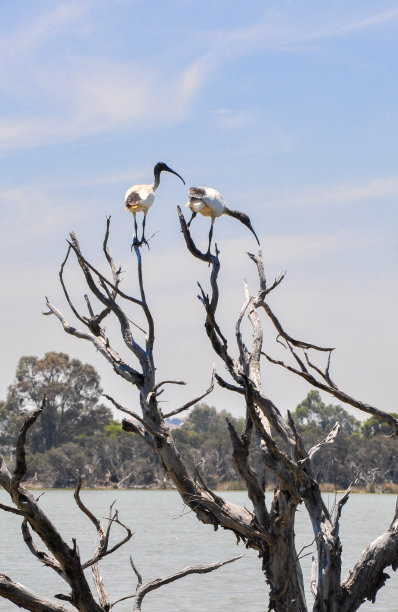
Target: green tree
374,427
312,413
205,444
72,390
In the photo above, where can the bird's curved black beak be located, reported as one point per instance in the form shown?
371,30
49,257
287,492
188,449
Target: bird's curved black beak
246,221
173,172
254,233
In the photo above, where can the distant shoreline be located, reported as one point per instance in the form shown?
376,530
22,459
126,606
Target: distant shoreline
387,489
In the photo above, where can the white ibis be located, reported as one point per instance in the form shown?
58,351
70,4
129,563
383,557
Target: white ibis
209,203
139,198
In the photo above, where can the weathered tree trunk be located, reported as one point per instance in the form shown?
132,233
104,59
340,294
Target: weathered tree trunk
270,531
282,567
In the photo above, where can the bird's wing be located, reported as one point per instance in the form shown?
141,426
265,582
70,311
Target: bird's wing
206,198
197,192
132,198
213,199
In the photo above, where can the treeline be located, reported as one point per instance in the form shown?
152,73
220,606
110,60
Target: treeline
77,432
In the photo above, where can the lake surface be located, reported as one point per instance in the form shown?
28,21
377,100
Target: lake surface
168,537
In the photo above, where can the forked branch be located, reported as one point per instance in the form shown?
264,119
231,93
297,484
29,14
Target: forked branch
25,598
144,589
269,531
104,534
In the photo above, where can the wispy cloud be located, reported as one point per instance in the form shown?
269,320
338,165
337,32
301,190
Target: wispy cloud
276,31
78,96
29,216
48,25
229,119
101,96
358,24
344,193
293,249
279,29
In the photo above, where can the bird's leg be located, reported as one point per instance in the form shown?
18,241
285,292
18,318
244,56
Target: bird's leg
143,239
135,237
210,234
192,218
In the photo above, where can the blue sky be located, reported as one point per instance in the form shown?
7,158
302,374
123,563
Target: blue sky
289,109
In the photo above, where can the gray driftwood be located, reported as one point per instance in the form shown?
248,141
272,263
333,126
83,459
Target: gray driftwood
65,559
269,529
58,555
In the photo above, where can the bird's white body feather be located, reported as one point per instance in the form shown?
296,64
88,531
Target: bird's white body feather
139,198
210,204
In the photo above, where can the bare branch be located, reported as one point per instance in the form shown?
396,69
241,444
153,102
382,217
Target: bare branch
61,278
102,550
40,554
258,260
102,345
97,523
223,383
99,585
167,382
271,533
135,416
340,505
159,582
20,460
116,272
240,456
147,312
297,343
75,246
129,534
23,597
131,427
324,374
139,583
243,352
368,576
207,257
11,509
314,590
127,335
330,438
395,518
196,400
338,394
136,572
299,449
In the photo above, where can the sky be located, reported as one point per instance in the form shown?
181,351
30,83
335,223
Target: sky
288,109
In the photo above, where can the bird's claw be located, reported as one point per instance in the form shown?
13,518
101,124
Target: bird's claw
135,243
138,243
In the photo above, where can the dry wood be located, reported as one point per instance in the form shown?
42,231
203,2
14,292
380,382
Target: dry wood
23,597
269,530
144,589
64,560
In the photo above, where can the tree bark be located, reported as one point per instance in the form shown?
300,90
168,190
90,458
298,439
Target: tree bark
270,531
25,598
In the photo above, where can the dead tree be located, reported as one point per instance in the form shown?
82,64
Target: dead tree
269,529
65,559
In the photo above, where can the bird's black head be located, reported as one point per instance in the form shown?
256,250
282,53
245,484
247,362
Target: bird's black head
160,167
243,218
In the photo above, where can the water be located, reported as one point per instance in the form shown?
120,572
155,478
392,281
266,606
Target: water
168,537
